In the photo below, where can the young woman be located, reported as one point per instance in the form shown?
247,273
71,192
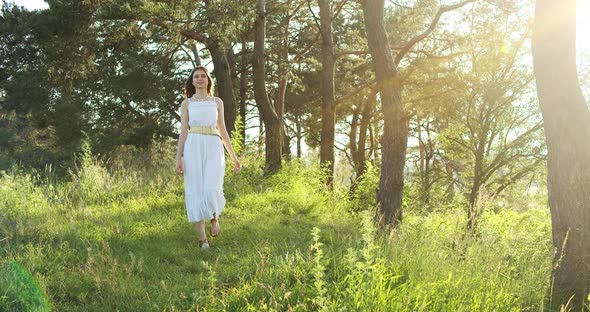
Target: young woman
200,155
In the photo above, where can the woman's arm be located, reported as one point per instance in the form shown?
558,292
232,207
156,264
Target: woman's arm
225,136
182,136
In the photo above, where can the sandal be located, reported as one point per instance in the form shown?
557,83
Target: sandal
204,244
214,225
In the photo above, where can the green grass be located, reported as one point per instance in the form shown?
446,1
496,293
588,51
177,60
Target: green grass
108,241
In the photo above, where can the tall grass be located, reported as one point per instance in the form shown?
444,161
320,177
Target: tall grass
110,240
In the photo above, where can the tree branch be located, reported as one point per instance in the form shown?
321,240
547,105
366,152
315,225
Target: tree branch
501,158
306,49
416,39
315,18
400,5
185,32
339,9
355,92
299,6
524,171
343,53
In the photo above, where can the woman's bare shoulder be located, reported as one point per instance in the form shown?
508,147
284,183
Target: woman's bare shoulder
218,100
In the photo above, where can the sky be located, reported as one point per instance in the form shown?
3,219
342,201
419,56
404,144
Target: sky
32,4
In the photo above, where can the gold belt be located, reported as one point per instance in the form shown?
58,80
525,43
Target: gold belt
204,130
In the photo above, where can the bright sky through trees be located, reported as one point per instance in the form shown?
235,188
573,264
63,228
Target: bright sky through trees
32,4
583,20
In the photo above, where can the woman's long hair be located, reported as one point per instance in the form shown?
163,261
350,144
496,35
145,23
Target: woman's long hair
189,88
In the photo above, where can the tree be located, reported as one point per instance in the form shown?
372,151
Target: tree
361,120
395,117
495,132
184,21
45,59
329,58
328,105
290,39
268,113
219,48
113,79
567,129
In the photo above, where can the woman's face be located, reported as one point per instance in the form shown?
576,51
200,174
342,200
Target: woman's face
200,79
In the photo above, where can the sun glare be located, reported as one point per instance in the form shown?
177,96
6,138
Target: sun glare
583,26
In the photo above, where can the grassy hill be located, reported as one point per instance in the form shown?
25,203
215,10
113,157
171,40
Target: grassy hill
119,240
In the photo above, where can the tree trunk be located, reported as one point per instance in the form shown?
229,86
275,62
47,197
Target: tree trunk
284,70
281,112
222,71
374,149
361,119
395,119
328,101
68,122
243,90
426,161
365,124
273,137
233,68
298,135
567,129
450,172
225,87
472,212
261,139
354,154
195,50
286,148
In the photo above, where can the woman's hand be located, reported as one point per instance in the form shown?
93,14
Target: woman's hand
237,166
179,166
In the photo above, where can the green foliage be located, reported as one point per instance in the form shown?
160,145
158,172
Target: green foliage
364,196
22,205
321,299
19,291
69,70
237,138
367,281
286,243
91,179
478,131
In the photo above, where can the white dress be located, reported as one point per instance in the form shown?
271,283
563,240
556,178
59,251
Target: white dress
204,164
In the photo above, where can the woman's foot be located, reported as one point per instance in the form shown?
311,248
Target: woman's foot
215,229
203,243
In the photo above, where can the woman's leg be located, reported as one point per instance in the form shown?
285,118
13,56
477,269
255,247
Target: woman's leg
202,235
215,228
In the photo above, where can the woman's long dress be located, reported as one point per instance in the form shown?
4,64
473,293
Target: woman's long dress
204,164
